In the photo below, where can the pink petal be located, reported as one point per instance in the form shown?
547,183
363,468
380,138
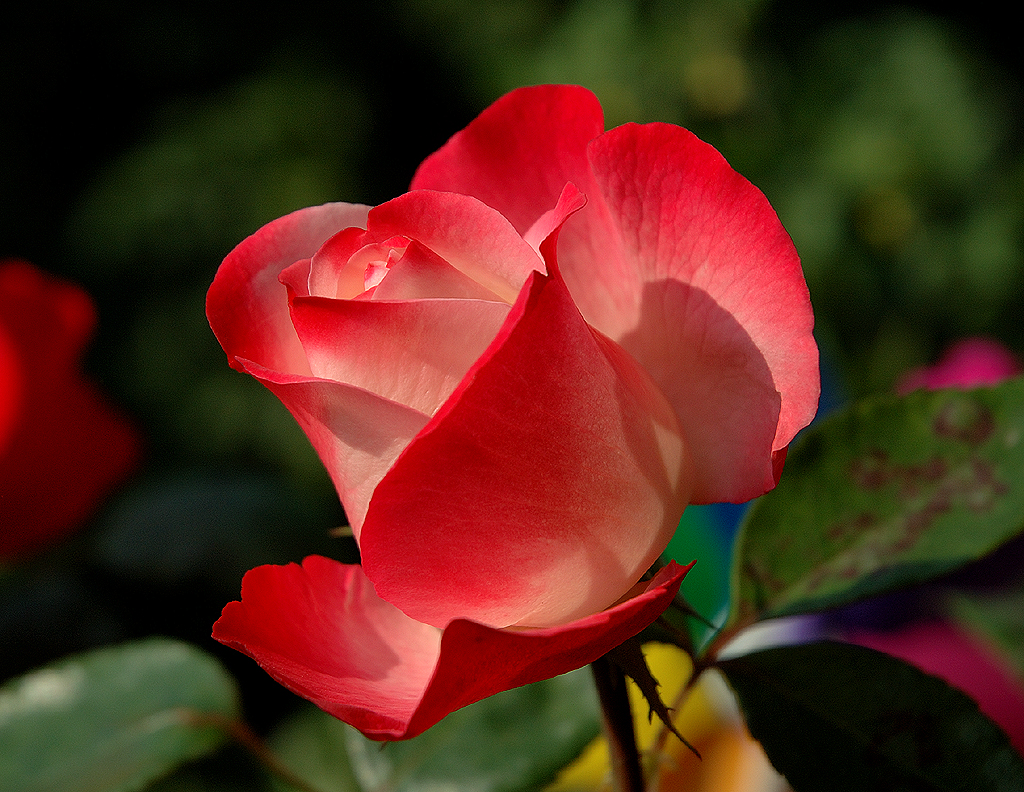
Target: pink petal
420,274
722,318
470,236
321,631
338,270
541,491
248,306
297,276
357,434
550,223
413,353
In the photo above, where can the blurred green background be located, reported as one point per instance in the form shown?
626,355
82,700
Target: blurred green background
141,142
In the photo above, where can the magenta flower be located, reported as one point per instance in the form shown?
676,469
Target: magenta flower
967,364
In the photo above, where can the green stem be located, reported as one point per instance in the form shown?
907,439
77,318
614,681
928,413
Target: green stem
249,740
618,721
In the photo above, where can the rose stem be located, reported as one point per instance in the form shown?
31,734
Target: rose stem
618,722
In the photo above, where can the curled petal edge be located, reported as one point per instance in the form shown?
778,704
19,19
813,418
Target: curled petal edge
428,678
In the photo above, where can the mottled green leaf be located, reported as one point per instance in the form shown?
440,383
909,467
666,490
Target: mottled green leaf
112,719
835,718
890,492
512,742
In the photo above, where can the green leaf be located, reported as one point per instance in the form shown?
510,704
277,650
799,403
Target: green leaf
892,491
314,747
834,717
515,741
111,719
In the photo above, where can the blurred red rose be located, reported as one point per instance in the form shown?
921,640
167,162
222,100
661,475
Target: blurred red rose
62,445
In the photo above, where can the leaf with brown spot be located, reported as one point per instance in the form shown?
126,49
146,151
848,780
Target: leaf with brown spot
893,491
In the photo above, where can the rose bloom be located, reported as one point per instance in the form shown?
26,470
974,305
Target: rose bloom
518,375
63,447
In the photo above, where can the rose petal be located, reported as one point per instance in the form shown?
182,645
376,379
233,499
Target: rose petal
541,491
357,434
247,305
321,631
420,274
570,201
336,269
413,353
470,236
517,155
722,318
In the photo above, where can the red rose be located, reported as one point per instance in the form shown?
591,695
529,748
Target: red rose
514,438
62,446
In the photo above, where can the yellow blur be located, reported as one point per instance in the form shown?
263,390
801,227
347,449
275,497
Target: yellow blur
731,761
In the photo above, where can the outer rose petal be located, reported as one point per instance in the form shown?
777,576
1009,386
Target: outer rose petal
676,257
517,155
357,434
248,306
62,446
549,482
321,631
721,314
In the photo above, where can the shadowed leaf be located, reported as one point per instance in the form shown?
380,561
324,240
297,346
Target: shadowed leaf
516,740
836,718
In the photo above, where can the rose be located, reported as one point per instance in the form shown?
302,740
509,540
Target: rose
62,446
514,438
